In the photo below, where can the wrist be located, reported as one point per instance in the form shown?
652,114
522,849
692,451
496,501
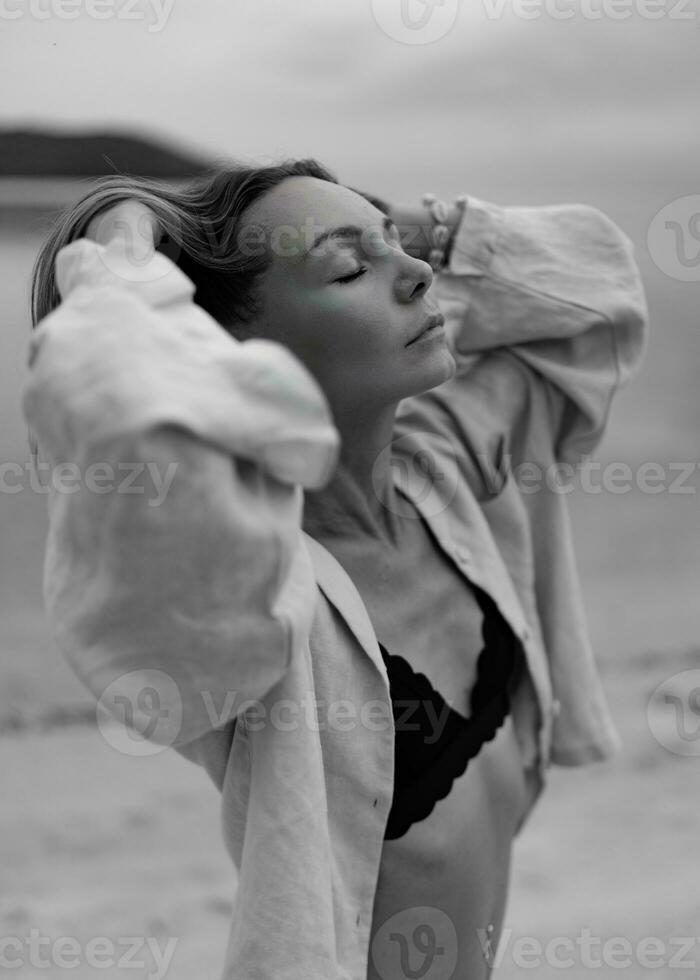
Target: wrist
417,226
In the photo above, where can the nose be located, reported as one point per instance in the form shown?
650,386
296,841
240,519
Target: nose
413,280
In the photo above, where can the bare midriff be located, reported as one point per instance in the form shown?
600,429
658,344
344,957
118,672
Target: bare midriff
453,869
443,886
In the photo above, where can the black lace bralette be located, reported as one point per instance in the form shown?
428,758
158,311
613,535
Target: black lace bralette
433,749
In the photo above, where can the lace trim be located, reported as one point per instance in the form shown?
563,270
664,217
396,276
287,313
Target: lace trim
426,766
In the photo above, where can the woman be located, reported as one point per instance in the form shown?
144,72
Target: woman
432,593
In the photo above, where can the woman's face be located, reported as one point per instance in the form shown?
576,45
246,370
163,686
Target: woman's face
346,299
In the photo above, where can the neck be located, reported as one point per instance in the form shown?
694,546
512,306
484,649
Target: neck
360,499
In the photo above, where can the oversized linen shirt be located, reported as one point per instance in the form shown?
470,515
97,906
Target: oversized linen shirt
251,636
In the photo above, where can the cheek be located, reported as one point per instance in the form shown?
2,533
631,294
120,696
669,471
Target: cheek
344,337
334,332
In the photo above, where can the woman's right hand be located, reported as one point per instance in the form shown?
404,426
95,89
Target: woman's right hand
202,587
416,225
131,221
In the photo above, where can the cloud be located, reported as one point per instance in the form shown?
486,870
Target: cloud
270,77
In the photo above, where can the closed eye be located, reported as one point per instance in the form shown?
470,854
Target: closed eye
353,275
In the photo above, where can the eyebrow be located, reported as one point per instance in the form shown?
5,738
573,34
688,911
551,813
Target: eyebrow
347,231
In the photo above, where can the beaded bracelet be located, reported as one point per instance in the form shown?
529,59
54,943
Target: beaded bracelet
441,235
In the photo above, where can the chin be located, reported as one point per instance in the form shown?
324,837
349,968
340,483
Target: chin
439,366
436,366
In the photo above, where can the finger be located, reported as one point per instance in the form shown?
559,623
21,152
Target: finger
132,222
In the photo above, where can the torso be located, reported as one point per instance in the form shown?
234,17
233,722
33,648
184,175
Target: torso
456,860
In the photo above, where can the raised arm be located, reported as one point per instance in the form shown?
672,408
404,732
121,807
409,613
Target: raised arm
174,562
547,318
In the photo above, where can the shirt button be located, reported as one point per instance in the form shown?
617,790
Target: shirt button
375,802
357,920
556,708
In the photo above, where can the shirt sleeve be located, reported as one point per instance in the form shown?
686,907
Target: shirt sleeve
175,578
547,318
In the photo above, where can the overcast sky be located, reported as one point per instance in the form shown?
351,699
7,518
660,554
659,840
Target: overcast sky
264,78
515,111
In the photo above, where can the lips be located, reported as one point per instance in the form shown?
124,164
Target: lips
434,321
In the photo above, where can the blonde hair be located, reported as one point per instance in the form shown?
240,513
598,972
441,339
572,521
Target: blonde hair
199,228
200,225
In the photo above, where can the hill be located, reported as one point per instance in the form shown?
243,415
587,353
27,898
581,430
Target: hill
35,153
